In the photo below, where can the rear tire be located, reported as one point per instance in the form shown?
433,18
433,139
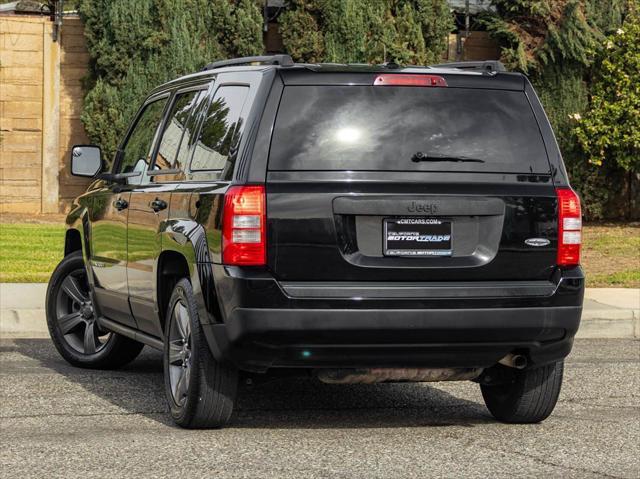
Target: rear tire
71,320
526,396
200,391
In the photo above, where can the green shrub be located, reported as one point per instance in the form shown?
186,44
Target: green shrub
609,131
558,43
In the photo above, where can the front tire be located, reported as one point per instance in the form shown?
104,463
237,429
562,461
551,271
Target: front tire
524,396
71,320
201,392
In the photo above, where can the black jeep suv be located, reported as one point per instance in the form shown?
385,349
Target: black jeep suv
359,223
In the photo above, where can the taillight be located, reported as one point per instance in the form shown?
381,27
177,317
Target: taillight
569,227
395,79
244,226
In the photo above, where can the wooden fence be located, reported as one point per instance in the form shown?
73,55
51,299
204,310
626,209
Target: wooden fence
40,105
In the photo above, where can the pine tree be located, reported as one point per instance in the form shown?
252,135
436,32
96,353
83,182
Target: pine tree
366,31
137,45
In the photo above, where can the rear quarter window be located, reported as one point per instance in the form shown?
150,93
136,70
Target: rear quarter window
383,128
221,130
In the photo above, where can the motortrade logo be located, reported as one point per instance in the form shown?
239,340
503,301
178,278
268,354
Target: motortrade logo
415,236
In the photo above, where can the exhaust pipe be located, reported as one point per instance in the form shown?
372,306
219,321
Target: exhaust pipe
517,361
381,375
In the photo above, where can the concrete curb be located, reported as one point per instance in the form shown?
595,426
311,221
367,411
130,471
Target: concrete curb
23,323
600,324
22,313
609,323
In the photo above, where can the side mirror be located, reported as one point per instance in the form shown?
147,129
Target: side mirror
86,160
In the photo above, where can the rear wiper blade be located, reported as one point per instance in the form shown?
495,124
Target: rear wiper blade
420,156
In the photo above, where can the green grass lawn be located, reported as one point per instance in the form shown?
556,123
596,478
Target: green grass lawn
29,252
611,255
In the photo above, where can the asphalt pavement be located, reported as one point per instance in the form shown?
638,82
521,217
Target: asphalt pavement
59,421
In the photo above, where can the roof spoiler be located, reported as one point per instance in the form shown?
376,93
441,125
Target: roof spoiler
282,60
488,66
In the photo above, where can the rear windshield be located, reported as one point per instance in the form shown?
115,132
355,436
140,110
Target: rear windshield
406,129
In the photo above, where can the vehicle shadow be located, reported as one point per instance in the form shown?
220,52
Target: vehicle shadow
284,402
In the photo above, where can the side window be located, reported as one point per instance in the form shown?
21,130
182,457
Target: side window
174,145
221,129
136,152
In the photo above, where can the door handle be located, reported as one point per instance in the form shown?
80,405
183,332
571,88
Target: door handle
158,205
120,204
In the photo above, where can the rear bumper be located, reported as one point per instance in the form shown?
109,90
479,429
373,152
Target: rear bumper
257,339
267,328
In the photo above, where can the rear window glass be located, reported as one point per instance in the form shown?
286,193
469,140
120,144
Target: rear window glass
406,129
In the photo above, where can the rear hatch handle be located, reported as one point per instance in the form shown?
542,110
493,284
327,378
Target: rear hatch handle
424,204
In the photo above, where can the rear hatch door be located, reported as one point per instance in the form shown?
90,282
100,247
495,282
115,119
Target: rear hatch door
408,183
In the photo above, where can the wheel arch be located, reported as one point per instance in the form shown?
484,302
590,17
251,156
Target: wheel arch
172,267
72,241
78,230
186,254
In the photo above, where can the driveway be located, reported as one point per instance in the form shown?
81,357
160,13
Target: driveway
58,421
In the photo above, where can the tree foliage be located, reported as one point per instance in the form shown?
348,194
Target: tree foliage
135,46
366,31
535,34
556,42
609,131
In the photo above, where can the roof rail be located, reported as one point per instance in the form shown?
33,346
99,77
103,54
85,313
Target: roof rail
489,66
282,60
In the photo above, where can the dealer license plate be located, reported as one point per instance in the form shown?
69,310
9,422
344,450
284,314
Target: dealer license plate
417,237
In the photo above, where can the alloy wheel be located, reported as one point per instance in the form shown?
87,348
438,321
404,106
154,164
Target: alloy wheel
179,352
76,316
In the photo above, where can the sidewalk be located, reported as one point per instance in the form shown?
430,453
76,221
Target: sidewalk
607,313
611,313
22,310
